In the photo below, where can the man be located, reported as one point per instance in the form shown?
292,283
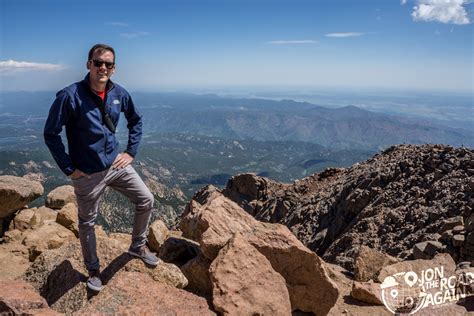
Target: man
90,111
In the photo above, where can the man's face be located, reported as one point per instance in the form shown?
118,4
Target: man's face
99,73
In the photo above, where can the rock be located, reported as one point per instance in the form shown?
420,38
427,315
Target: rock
427,249
369,262
132,293
450,223
52,267
68,218
49,236
20,298
440,260
61,196
179,250
13,235
16,192
46,213
458,240
244,282
212,220
24,220
368,292
458,229
157,234
347,305
196,271
14,260
391,201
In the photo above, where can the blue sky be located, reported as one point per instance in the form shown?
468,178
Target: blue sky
415,44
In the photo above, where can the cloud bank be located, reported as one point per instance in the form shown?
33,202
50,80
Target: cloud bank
11,66
444,11
135,34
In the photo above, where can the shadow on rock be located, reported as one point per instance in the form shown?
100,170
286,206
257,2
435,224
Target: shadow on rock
62,279
115,266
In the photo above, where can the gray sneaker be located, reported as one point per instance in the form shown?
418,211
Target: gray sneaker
94,283
145,254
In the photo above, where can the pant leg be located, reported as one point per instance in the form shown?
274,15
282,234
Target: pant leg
128,182
88,193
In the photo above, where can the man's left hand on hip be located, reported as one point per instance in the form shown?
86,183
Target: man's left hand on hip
122,160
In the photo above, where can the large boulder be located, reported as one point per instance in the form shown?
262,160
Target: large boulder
59,274
16,192
132,293
20,298
49,236
61,196
244,282
212,220
68,218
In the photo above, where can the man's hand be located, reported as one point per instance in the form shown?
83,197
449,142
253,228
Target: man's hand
78,174
122,160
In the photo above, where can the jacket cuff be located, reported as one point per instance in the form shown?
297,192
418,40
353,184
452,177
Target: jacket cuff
69,170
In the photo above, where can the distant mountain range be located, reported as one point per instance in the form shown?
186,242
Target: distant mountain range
22,114
340,128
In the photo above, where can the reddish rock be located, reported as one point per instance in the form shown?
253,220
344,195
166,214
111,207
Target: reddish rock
157,234
196,271
50,270
368,292
16,192
20,298
68,218
132,293
212,220
61,196
369,262
244,282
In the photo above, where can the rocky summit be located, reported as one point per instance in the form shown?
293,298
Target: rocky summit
323,245
410,202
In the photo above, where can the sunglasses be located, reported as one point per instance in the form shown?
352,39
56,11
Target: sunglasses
98,63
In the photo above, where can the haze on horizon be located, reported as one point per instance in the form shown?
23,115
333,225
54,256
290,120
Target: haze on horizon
185,44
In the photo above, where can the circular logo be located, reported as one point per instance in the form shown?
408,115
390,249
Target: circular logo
402,294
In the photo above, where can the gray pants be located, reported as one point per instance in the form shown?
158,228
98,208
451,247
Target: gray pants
88,193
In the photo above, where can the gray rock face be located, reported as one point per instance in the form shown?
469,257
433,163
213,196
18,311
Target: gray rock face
16,192
405,195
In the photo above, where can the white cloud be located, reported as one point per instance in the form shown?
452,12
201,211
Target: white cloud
135,34
444,11
346,34
292,42
403,2
116,24
10,66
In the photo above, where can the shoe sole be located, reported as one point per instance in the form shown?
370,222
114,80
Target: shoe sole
94,288
152,263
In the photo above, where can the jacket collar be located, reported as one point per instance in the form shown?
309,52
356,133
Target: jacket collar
109,86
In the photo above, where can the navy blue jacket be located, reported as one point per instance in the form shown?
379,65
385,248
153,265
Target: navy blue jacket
92,147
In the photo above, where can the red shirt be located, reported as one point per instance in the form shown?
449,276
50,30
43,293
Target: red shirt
101,94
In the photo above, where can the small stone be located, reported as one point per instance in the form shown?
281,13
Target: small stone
458,240
458,229
451,223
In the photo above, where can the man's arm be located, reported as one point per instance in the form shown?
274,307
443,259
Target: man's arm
135,123
134,126
59,114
